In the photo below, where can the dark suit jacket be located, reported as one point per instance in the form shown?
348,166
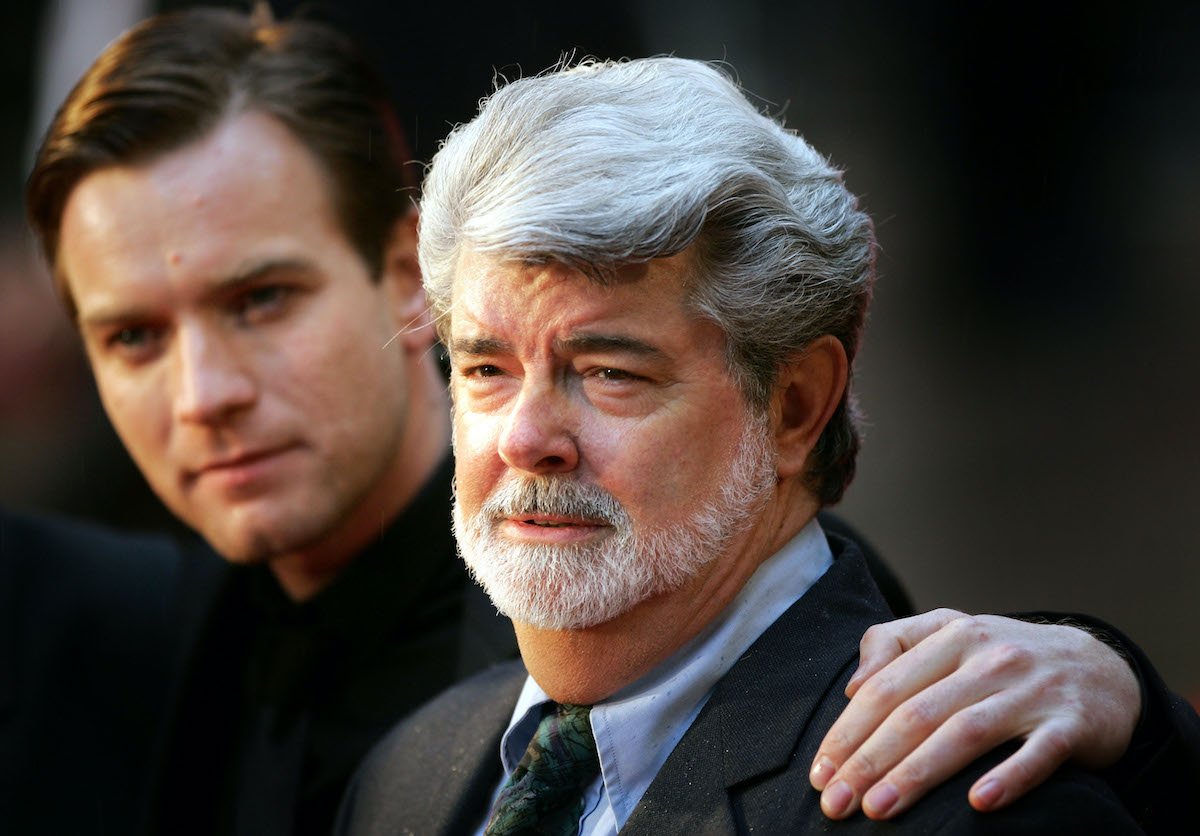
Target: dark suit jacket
85,639
743,765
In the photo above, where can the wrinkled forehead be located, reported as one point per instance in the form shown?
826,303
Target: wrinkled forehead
487,278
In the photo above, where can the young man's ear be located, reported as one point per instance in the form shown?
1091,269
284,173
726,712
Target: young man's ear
402,280
810,387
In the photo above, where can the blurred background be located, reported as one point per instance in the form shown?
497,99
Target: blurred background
1031,369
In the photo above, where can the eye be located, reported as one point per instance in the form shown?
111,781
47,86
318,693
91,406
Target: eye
260,303
611,374
134,343
615,375
129,337
483,370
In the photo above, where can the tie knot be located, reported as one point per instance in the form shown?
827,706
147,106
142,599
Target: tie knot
545,792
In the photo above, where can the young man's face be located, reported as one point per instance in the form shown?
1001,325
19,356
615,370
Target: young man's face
240,347
604,453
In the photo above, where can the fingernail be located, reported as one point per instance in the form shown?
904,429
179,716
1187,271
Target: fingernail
822,771
988,795
836,799
880,800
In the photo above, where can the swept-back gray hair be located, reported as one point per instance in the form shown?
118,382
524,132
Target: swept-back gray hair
607,163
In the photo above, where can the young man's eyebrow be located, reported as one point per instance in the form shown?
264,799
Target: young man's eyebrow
244,274
251,271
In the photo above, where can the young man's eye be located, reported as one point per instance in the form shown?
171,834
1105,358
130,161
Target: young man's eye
260,301
129,337
134,343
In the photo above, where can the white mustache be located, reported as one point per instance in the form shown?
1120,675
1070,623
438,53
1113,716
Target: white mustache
556,496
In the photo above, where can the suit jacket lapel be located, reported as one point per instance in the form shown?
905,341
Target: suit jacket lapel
752,724
473,746
435,773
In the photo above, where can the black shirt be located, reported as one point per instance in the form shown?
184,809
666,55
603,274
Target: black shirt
278,701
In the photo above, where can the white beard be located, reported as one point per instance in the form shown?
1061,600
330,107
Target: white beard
580,585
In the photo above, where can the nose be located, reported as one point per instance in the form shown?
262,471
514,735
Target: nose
211,381
537,436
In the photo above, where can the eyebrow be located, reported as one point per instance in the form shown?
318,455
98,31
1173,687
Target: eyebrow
583,343
245,274
579,344
251,271
479,346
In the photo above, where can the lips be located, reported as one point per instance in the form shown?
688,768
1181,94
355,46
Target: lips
551,521
552,529
241,467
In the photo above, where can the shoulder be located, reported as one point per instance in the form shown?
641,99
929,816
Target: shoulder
397,791
85,643
467,713
61,574
1072,801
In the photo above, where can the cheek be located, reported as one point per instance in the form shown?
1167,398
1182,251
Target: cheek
658,473
477,463
139,410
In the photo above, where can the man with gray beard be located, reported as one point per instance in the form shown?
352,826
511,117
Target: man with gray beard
652,297
596,582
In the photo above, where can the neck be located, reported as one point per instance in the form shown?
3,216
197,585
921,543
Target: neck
591,664
425,440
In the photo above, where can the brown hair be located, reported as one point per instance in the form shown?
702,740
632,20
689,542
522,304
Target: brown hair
171,79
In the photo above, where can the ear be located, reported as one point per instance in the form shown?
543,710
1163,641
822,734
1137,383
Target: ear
401,281
809,389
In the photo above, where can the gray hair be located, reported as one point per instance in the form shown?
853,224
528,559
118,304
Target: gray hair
607,163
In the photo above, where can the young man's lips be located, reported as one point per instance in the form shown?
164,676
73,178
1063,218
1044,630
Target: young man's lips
241,462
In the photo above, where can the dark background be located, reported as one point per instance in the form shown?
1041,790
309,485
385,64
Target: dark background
1031,369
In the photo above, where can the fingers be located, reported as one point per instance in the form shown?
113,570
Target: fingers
886,689
972,684
924,741
884,642
1044,751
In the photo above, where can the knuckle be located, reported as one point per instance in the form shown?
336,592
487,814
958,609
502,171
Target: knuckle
1058,743
918,715
860,771
972,728
835,743
1008,658
876,634
946,614
878,692
911,776
966,628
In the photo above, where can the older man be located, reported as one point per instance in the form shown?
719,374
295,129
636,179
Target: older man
652,297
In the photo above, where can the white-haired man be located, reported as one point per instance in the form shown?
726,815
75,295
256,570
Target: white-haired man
652,297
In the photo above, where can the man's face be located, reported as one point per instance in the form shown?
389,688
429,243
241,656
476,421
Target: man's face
237,339
604,454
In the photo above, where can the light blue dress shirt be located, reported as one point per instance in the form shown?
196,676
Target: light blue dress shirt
638,727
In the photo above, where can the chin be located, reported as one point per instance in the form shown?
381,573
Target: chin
570,606
241,551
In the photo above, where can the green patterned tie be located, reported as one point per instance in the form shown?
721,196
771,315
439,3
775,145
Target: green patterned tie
544,795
